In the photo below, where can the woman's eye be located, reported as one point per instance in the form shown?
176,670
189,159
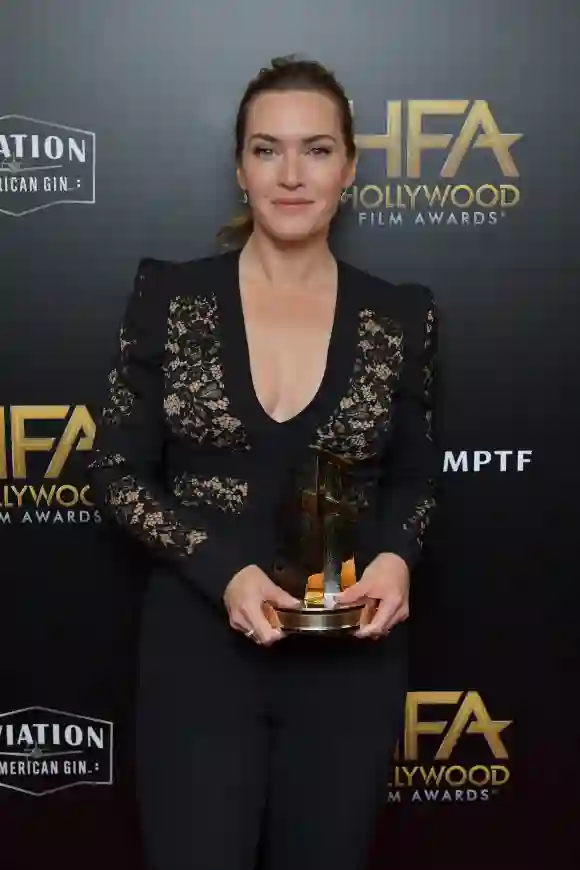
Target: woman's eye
317,150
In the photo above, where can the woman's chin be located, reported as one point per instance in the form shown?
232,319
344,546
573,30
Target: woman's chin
293,233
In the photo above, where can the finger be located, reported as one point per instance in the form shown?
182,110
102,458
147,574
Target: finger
383,615
244,625
368,612
271,615
237,620
240,624
280,598
265,633
354,594
400,614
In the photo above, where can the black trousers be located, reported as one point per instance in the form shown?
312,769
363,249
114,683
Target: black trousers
250,757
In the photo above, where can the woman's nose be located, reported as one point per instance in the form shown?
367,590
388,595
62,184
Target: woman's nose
290,172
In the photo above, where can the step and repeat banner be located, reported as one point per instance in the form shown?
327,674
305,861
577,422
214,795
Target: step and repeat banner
116,142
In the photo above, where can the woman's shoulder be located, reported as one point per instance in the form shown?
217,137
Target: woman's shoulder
407,302
178,275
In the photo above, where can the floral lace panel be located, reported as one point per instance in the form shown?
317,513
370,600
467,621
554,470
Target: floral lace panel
106,460
195,402
365,411
136,506
418,522
226,493
120,396
428,369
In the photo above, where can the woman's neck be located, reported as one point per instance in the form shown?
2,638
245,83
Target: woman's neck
287,264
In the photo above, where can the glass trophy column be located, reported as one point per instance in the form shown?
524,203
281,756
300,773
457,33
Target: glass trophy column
317,560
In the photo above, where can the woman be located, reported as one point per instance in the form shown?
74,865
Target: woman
255,744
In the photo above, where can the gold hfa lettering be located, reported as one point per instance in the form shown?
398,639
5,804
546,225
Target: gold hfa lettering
479,130
79,434
470,718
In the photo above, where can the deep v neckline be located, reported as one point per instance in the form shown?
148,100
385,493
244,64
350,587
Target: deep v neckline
336,357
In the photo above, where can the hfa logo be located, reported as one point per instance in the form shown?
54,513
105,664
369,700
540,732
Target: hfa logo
404,143
51,433
43,751
422,763
44,164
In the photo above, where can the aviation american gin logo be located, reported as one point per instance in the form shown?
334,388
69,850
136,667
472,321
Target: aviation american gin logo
44,164
43,750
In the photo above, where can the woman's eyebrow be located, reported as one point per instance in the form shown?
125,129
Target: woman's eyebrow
307,139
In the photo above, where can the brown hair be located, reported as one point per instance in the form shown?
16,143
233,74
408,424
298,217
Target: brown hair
285,74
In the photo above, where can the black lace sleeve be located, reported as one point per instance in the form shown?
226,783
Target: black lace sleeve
124,473
412,464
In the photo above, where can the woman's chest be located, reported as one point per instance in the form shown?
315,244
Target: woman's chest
208,393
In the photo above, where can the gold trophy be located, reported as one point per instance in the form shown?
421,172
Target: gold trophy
316,553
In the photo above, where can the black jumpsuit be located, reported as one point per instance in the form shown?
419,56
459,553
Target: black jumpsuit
250,756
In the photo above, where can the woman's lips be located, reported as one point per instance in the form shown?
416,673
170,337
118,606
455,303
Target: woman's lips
292,203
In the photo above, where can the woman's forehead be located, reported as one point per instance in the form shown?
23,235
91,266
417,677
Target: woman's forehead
288,110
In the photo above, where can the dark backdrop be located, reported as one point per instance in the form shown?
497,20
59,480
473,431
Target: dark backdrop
150,91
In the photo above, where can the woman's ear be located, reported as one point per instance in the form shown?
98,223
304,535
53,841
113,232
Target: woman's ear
352,172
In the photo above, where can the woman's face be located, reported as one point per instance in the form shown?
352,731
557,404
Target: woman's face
294,164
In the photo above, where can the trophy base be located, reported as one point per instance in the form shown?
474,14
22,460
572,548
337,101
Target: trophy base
316,619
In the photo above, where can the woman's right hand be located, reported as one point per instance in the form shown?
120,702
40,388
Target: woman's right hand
244,598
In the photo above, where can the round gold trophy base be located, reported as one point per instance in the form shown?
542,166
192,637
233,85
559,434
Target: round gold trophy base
317,619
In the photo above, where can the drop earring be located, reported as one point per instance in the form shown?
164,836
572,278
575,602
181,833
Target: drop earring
245,197
344,195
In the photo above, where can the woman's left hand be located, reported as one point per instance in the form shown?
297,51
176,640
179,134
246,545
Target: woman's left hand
386,579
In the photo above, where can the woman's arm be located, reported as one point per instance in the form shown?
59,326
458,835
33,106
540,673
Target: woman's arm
124,474
412,463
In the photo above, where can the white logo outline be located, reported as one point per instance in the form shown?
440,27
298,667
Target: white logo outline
34,754
89,133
